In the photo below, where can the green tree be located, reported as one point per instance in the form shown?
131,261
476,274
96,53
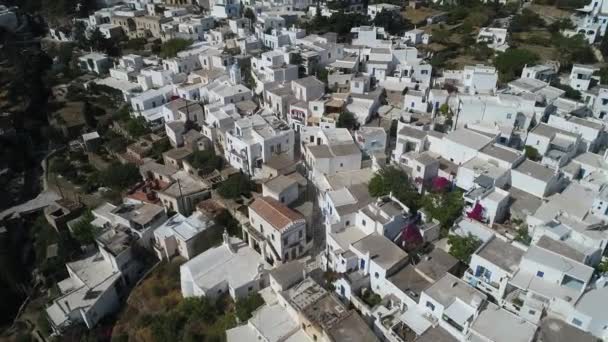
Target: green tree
393,22
525,21
481,52
89,114
573,49
444,109
441,35
60,165
250,14
462,248
532,153
199,308
393,180
244,307
570,92
171,47
225,219
523,236
120,176
116,144
561,24
83,231
236,185
511,62
475,19
446,207
602,267
346,119
136,127
603,73
206,161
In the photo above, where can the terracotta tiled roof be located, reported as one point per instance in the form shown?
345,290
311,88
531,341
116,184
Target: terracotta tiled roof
275,212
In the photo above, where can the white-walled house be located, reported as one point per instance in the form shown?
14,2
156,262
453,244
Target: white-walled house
371,140
461,145
232,267
378,258
374,9
307,88
589,312
556,146
183,236
549,280
282,188
279,231
453,304
536,179
98,63
580,76
495,38
492,266
541,72
591,21
139,218
255,140
330,151
592,131
97,283
478,79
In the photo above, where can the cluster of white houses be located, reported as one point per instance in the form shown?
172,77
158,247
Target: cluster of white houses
525,157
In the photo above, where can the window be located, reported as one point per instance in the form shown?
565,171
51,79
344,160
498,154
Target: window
577,322
482,272
376,275
418,168
300,234
540,274
509,115
363,222
430,306
261,228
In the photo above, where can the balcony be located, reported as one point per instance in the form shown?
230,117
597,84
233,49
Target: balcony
483,284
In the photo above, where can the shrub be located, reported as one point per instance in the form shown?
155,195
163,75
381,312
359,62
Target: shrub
119,176
462,248
346,120
171,47
236,185
206,161
244,307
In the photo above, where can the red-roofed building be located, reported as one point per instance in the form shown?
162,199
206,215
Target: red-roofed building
277,231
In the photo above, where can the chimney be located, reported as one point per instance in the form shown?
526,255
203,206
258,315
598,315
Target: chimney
227,242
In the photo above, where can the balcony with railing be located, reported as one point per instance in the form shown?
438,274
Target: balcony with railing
482,283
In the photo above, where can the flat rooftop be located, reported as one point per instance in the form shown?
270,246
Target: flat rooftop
449,288
502,254
382,251
556,330
499,325
535,170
